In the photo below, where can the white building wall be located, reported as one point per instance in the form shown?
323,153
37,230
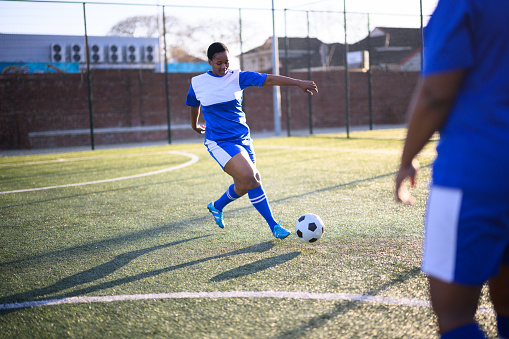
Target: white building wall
27,48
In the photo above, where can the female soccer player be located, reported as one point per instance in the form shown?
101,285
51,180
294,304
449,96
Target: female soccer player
464,93
227,136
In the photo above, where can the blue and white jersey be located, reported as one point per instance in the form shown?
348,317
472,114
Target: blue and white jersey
220,98
472,35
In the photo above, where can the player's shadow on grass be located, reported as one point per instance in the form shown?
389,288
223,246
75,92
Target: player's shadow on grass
254,267
90,275
156,231
103,270
343,307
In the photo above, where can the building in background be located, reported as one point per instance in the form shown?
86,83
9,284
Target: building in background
386,48
392,48
26,53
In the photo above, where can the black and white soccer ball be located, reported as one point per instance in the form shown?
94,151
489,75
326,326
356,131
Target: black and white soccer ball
309,227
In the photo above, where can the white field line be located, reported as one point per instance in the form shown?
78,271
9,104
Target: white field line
232,294
332,149
82,159
194,159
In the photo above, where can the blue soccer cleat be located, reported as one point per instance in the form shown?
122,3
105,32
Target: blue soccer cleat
279,232
218,215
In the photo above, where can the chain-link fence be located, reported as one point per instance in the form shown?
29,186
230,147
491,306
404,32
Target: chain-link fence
101,73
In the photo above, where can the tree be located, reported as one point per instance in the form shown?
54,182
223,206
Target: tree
140,26
183,40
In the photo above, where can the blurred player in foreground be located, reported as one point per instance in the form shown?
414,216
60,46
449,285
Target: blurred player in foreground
227,136
464,94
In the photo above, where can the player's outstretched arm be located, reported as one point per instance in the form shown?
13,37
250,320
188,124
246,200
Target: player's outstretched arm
195,114
280,80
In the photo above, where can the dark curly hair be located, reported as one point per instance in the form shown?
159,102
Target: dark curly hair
216,47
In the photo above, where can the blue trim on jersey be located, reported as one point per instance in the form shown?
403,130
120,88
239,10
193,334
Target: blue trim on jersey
220,98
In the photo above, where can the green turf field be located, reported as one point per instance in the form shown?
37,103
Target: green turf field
147,240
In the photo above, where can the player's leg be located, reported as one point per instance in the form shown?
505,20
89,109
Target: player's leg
464,243
216,207
499,287
455,306
499,292
229,196
222,152
247,179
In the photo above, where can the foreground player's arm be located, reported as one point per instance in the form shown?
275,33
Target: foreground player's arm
280,80
430,106
195,115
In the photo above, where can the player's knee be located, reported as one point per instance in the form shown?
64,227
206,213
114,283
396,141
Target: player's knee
250,181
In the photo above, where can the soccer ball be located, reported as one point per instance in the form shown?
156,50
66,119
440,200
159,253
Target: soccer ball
309,227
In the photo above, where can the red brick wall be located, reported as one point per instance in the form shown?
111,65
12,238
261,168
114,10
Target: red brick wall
57,102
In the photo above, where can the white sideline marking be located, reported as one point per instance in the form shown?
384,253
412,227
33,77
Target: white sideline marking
194,159
232,294
352,150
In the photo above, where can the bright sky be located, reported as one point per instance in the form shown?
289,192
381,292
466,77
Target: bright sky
325,18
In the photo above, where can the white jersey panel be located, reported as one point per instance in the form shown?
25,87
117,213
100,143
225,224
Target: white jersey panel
225,88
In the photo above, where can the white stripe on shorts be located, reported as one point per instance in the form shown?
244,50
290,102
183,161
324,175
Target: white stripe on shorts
219,154
439,258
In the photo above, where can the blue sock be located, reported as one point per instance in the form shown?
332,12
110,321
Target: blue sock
226,198
471,331
503,326
260,202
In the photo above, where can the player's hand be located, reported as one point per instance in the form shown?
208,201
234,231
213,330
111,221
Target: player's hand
402,193
309,87
199,129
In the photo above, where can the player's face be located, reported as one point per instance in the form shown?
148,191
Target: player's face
220,63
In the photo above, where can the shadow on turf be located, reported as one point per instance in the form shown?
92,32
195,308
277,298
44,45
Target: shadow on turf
90,275
254,267
103,270
343,307
155,231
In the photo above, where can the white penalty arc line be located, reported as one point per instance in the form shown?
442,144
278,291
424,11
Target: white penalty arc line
399,301
61,160
194,159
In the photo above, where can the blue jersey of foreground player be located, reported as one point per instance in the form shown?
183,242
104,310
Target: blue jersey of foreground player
473,152
220,98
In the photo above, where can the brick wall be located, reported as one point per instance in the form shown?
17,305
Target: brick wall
51,110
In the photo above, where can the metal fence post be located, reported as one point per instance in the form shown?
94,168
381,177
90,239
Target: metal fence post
310,105
88,81
347,85
240,38
167,90
369,79
275,70
287,89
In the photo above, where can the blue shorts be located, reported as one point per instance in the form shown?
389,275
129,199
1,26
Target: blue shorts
467,236
223,151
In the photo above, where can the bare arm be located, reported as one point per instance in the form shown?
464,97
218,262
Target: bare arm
430,106
280,80
195,115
